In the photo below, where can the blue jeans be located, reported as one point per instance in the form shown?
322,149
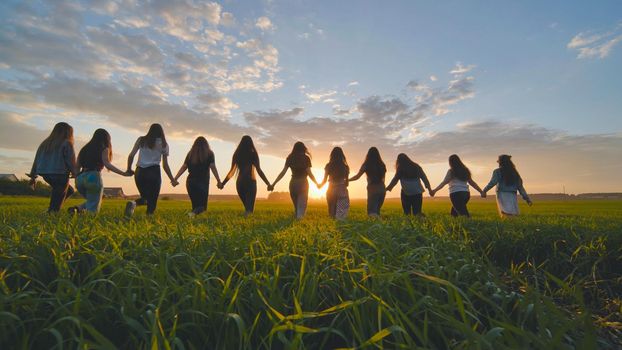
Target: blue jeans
91,187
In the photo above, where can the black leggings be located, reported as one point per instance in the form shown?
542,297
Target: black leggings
61,190
198,190
247,191
411,204
375,198
148,181
459,202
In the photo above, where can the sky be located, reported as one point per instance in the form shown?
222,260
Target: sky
540,80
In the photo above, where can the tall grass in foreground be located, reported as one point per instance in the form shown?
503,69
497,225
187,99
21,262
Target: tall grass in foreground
547,280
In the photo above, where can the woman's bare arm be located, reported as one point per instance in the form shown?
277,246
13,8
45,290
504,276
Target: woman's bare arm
110,166
182,169
324,180
311,176
281,174
359,174
215,171
130,158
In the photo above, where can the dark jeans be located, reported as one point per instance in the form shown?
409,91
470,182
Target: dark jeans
411,204
299,193
247,191
375,198
148,181
198,190
459,202
61,190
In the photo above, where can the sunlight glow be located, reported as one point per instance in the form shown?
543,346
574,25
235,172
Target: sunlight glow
317,193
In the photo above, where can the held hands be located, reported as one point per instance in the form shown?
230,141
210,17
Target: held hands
32,183
483,194
270,187
220,185
432,193
174,182
529,202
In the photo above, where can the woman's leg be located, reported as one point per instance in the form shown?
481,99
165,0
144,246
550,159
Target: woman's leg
94,191
193,192
299,193
155,183
405,203
331,200
459,201
140,178
247,191
417,203
60,190
455,199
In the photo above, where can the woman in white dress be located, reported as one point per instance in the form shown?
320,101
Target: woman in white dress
508,182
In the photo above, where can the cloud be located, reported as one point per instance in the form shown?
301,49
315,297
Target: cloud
550,157
264,24
596,45
17,135
353,83
320,95
433,78
460,69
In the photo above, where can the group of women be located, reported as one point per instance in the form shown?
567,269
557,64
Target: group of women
55,161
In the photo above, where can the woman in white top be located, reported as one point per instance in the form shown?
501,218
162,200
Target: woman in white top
152,148
458,177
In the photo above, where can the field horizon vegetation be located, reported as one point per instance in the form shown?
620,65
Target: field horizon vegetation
550,279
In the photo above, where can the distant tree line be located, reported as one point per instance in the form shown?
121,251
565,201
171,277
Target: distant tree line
21,188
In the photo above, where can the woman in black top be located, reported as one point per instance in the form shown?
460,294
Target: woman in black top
375,169
244,162
93,157
198,162
299,160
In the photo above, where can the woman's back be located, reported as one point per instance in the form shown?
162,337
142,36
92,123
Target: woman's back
55,161
151,156
298,163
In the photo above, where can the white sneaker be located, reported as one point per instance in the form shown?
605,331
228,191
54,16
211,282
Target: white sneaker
191,214
129,208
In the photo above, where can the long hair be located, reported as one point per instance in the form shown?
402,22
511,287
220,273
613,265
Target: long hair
298,154
374,166
407,167
509,174
96,145
337,165
245,153
200,151
60,133
155,132
458,169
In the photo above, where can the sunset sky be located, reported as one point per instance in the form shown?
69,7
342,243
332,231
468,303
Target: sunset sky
540,80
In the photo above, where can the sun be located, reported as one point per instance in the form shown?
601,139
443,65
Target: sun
317,193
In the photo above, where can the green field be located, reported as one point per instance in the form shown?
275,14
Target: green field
549,279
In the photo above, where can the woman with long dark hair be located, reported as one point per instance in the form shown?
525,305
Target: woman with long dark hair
459,178
336,173
244,162
93,157
508,182
199,161
410,175
55,161
299,161
152,149
375,169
